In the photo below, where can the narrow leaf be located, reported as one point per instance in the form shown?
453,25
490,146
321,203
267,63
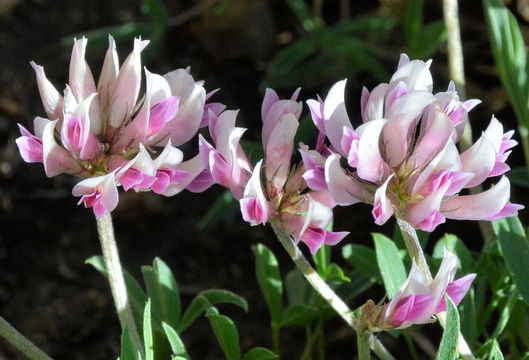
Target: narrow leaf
363,259
147,333
226,334
389,263
177,346
269,279
449,341
259,353
515,248
128,349
204,301
297,315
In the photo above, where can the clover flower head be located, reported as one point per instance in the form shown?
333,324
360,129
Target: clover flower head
107,133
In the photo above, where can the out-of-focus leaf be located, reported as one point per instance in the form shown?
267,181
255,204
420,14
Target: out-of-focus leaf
413,22
269,279
510,55
254,149
156,10
296,315
226,334
515,249
448,348
322,258
455,245
303,13
335,273
519,176
298,290
490,350
364,24
432,37
204,301
99,37
389,263
128,349
223,207
505,314
469,324
259,353
363,259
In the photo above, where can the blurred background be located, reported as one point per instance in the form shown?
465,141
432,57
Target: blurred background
241,47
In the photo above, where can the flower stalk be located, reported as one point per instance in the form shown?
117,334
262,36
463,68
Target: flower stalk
415,250
20,342
115,277
323,289
362,341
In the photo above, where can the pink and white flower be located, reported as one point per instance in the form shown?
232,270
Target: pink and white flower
403,159
417,301
107,134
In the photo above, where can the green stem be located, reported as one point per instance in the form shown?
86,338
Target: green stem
20,342
362,341
411,345
115,277
321,336
414,249
275,339
322,288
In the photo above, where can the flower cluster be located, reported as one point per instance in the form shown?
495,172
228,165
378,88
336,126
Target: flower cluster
105,133
403,159
285,196
417,301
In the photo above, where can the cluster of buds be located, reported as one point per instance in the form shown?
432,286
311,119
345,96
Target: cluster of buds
403,159
303,213
416,302
105,133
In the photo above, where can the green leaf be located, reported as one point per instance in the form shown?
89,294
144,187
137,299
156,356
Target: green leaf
364,24
505,314
519,176
413,22
322,258
254,150
515,248
204,301
226,333
455,245
389,263
449,341
363,259
163,291
299,291
156,10
137,297
223,207
128,348
468,319
335,273
269,279
148,340
509,53
177,346
296,315
490,351
259,353
431,39
303,13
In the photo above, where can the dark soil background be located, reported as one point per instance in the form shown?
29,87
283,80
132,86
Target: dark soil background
63,305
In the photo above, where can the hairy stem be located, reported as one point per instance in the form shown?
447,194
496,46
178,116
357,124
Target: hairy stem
362,341
414,249
115,277
20,342
322,288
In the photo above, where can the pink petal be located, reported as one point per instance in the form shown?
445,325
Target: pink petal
279,150
457,291
508,210
344,189
161,113
51,99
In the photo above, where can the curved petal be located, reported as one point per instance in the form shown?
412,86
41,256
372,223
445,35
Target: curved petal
51,99
335,115
344,189
479,206
371,167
